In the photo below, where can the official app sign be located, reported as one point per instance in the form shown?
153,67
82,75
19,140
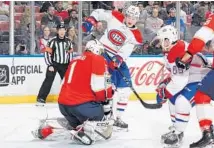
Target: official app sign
20,73
4,75
17,75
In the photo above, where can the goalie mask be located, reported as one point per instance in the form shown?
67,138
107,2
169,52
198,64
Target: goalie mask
132,16
95,47
166,36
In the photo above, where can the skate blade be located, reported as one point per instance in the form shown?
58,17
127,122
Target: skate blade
35,134
119,129
177,145
85,140
209,146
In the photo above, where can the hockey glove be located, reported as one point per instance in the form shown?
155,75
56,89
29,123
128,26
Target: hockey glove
163,93
160,100
184,65
116,62
164,83
88,24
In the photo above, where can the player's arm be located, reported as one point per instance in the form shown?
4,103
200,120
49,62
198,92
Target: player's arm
96,15
122,55
48,52
202,36
100,79
128,47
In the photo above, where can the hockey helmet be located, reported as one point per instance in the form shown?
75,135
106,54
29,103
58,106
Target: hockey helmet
133,11
169,33
94,46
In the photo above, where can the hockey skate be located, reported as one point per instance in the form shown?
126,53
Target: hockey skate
80,137
206,140
172,139
120,125
40,102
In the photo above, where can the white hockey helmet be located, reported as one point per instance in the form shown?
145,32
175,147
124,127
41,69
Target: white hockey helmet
167,32
95,47
133,11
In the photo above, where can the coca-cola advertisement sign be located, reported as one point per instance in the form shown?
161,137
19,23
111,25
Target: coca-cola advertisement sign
147,73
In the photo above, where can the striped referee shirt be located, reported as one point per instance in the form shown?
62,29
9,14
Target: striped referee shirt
57,50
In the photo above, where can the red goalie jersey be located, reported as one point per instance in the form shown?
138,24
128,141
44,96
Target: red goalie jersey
86,80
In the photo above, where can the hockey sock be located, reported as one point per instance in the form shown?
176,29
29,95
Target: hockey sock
121,96
204,110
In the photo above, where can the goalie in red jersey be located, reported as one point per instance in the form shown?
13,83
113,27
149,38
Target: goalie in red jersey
85,98
205,92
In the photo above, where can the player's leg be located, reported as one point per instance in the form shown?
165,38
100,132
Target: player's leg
122,93
47,127
85,121
172,116
180,117
46,86
204,110
91,117
183,102
61,69
121,96
72,121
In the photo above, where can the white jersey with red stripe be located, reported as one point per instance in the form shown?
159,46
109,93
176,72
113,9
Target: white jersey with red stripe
179,77
118,38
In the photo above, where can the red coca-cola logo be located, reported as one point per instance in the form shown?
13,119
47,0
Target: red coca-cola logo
150,73
116,37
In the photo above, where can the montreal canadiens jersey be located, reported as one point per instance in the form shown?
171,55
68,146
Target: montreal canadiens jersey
86,80
118,39
179,77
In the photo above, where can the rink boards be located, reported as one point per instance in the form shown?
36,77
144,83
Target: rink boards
21,78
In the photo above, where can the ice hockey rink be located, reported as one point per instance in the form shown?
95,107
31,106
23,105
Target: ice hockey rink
145,128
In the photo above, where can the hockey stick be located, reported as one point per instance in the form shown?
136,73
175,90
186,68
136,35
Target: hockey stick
146,105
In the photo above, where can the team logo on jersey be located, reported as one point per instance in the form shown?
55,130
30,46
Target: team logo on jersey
116,37
4,75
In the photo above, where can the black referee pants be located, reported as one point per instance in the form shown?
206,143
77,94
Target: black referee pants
50,76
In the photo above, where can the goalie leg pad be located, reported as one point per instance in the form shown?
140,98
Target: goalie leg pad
98,130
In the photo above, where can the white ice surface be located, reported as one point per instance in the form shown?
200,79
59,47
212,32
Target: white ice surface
145,128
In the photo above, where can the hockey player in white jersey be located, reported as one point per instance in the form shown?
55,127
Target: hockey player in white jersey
181,86
119,40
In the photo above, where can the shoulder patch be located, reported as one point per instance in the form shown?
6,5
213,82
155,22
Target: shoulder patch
118,15
138,36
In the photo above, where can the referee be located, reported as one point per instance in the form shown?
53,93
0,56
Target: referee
57,57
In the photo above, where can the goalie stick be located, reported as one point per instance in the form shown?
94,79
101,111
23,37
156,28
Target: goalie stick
146,105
